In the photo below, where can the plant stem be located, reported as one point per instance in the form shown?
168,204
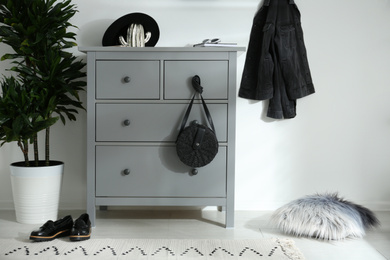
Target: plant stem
47,146
24,147
36,154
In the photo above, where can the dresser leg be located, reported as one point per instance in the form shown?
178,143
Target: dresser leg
91,210
229,217
221,208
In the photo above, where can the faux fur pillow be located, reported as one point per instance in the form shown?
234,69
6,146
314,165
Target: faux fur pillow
327,217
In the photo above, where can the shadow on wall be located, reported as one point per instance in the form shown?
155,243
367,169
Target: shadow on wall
91,34
263,115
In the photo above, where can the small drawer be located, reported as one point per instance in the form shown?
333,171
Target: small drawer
152,122
156,171
128,80
178,79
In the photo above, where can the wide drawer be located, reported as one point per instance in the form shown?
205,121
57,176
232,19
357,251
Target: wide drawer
127,79
156,171
178,79
152,122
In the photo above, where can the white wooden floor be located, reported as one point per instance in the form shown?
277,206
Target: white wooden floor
197,224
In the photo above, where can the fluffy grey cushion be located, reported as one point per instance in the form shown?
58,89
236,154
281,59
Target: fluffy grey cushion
327,217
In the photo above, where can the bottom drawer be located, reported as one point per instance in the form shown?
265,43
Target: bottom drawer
156,171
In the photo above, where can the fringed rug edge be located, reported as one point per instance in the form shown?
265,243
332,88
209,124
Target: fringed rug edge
289,248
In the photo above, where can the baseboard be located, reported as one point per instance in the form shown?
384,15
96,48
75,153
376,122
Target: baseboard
377,206
273,205
374,206
9,205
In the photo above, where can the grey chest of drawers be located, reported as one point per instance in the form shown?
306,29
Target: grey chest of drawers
136,98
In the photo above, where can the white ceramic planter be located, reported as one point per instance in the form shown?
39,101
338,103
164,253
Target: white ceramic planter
36,192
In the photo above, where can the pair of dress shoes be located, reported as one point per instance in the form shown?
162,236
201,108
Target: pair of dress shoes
78,230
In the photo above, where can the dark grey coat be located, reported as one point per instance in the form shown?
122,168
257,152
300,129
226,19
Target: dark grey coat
276,65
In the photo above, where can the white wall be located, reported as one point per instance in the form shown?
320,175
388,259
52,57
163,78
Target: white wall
340,139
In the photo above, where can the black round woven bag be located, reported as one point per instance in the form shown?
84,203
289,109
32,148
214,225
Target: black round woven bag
204,153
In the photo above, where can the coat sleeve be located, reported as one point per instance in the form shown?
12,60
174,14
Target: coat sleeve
256,82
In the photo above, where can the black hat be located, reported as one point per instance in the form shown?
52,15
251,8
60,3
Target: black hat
120,26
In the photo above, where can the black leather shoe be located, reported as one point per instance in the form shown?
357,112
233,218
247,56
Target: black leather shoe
81,229
53,229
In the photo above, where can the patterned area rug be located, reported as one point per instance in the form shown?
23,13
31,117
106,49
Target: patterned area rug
153,249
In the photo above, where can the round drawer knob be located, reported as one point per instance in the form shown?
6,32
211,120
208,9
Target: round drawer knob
126,122
194,172
127,79
126,172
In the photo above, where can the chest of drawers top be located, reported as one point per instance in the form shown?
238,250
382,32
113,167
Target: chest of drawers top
159,49
162,53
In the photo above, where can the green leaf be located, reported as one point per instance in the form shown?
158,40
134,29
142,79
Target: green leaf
9,56
48,78
18,125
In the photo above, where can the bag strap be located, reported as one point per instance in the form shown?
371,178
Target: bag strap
198,90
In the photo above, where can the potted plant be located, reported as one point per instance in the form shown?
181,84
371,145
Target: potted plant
45,89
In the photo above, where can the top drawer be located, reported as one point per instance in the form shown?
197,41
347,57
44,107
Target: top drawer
178,78
128,79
